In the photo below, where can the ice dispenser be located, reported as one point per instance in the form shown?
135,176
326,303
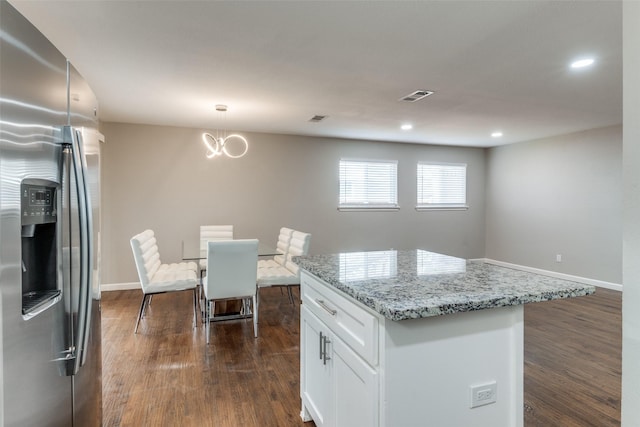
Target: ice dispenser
39,213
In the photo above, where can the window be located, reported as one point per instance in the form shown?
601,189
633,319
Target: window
442,186
368,184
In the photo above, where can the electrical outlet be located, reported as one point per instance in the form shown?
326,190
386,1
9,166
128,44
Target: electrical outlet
559,258
483,394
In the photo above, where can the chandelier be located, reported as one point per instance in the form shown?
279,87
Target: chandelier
234,145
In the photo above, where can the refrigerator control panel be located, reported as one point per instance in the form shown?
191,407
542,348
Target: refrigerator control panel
38,203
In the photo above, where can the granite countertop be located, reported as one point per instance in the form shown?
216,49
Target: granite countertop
416,283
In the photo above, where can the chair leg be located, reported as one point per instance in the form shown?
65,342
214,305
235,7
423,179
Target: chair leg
144,300
207,313
290,293
210,310
201,298
255,316
257,302
195,307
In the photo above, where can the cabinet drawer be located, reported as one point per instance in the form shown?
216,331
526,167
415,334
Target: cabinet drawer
354,325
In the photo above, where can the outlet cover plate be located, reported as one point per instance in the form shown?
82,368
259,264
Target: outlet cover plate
483,394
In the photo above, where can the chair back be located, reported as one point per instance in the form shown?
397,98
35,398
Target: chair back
231,268
298,246
214,232
282,247
145,255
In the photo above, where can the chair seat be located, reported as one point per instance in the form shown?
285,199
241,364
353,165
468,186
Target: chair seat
277,276
171,280
179,266
268,263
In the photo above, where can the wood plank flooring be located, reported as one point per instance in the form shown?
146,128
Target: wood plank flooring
167,376
573,354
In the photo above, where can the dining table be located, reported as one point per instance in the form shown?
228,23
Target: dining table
224,310
191,251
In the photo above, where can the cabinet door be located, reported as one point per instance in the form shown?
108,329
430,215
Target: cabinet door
315,381
355,388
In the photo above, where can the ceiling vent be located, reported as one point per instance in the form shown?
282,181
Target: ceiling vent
317,118
415,96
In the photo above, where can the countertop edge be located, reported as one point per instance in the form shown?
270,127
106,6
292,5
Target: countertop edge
434,308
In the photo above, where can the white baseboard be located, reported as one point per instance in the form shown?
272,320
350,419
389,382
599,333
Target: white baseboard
119,286
594,282
585,280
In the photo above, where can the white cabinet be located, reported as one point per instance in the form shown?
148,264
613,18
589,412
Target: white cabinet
352,376
361,369
338,361
316,388
339,387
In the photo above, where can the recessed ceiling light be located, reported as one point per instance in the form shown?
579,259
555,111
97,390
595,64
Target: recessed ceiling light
582,63
406,126
496,134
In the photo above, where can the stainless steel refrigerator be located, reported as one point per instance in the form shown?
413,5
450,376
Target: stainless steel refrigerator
50,350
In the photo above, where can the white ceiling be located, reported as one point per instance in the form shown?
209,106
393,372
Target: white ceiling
500,65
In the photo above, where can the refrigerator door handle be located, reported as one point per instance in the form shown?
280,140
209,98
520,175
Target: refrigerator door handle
81,325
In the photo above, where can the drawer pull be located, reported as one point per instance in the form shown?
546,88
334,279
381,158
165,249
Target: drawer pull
329,310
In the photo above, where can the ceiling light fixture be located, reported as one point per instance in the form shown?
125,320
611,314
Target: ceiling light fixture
219,144
582,63
496,134
406,126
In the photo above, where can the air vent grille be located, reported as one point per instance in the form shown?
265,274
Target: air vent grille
417,95
317,118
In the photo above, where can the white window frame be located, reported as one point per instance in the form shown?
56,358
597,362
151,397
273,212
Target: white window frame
367,205
439,202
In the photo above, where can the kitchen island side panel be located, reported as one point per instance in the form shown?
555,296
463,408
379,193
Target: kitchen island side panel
428,366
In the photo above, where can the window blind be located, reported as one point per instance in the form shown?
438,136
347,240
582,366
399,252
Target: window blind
368,184
442,186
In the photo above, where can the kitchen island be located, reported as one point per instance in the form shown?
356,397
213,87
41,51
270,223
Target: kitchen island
415,338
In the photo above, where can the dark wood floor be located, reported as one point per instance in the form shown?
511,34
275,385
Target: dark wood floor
167,376
573,354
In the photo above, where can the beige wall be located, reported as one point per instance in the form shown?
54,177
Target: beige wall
158,177
560,195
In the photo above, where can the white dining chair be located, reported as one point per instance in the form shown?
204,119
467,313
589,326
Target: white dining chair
209,233
287,275
156,277
231,275
282,247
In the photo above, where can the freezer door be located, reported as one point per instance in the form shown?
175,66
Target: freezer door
35,391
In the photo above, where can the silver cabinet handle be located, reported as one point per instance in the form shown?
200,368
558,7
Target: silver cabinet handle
324,351
329,310
324,340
